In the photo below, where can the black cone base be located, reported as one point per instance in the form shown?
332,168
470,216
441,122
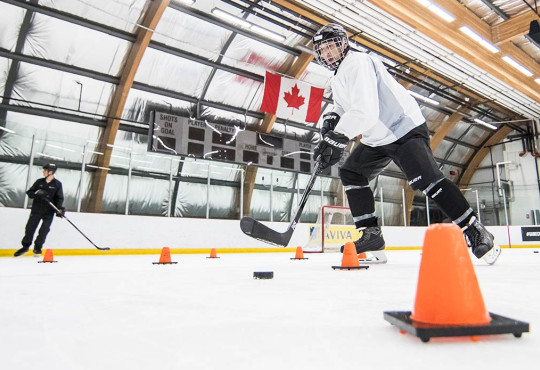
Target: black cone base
294,258
498,325
47,261
350,268
163,263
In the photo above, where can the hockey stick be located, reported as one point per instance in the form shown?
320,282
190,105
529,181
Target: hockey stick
72,224
257,230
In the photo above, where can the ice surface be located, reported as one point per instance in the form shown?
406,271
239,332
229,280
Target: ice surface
123,312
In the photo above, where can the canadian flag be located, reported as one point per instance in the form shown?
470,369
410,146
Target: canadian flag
291,99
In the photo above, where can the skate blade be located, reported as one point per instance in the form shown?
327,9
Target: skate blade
377,257
491,257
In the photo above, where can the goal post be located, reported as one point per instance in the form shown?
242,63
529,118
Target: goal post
334,227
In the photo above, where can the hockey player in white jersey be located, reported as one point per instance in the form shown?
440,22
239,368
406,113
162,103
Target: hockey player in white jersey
368,101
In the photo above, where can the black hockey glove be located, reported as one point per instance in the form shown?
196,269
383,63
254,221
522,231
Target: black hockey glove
41,194
330,148
330,120
62,212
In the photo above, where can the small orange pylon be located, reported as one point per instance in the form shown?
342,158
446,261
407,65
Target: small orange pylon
165,258
362,256
213,253
349,261
299,254
48,257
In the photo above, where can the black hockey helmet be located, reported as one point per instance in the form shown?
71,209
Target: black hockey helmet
50,167
336,34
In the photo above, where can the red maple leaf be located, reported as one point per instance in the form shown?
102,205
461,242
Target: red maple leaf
293,99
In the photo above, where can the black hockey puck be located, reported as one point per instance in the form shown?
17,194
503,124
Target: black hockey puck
263,275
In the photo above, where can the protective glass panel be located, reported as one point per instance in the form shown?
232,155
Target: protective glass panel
235,90
121,14
75,45
40,86
182,31
254,56
172,73
11,18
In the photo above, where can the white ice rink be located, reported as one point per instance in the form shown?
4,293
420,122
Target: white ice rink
123,312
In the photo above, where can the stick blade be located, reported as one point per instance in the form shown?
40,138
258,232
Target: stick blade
259,231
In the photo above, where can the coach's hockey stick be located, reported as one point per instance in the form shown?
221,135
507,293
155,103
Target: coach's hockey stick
257,230
72,224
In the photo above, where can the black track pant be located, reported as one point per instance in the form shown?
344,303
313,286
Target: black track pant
31,227
413,155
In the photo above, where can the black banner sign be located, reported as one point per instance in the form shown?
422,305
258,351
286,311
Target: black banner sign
529,234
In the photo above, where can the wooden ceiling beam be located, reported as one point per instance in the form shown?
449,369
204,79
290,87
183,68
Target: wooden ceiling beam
444,129
118,100
513,27
449,36
481,154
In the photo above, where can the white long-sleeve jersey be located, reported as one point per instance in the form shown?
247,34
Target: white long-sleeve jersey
371,102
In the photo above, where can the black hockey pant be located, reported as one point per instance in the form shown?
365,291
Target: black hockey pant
31,226
413,155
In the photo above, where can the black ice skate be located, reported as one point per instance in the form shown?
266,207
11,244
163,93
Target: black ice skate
371,241
481,242
20,252
37,252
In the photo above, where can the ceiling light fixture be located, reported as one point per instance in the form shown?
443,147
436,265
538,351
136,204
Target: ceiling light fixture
270,34
437,10
60,147
230,18
423,98
517,66
243,23
479,39
489,125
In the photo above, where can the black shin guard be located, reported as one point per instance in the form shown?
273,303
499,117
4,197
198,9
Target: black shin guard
450,200
362,204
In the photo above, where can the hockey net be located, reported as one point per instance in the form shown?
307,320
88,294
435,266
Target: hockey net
334,227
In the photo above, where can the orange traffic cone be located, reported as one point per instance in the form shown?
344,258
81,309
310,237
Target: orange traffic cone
448,298
213,253
349,260
165,258
448,292
48,257
299,254
362,256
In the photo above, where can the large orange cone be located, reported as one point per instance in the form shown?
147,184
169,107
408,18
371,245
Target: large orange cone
448,292
48,257
299,254
213,253
349,261
165,257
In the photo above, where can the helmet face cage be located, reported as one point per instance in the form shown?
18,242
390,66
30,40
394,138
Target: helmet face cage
330,45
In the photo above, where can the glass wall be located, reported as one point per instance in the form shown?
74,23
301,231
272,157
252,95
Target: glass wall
503,191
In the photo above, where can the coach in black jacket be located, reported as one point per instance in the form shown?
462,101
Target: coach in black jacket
45,190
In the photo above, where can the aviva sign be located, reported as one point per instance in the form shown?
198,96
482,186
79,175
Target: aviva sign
334,234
